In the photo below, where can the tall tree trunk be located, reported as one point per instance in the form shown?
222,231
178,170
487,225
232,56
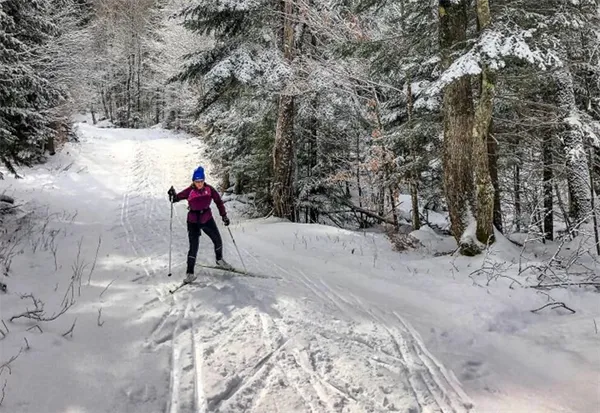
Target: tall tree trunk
548,193
578,170
561,205
593,201
284,147
492,145
238,188
313,154
381,196
481,125
110,104
458,120
130,73
596,169
104,105
358,184
157,117
225,181
414,173
393,196
517,196
139,81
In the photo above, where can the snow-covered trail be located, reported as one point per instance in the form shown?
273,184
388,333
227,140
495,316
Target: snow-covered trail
340,326
263,345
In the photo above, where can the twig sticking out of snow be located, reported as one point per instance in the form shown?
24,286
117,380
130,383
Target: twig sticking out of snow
553,306
100,323
70,331
7,364
36,326
78,268
106,288
3,392
95,259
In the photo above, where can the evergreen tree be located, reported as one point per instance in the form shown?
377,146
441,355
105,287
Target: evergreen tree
27,96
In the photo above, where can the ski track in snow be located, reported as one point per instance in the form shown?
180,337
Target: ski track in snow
288,367
299,341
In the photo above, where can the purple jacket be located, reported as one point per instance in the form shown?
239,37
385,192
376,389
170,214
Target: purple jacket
199,200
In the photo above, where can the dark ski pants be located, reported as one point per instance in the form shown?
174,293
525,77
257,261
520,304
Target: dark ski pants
194,232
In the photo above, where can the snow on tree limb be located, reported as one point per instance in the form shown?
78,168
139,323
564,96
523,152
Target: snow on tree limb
495,48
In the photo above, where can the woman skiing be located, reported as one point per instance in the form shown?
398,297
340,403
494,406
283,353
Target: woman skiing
199,196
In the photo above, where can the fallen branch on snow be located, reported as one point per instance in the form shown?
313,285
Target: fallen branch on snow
370,214
566,284
553,306
38,313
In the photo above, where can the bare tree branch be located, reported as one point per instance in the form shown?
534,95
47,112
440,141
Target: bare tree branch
553,306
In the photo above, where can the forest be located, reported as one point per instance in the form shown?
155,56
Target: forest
328,111
400,207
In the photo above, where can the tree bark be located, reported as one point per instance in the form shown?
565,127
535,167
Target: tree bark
596,169
104,105
548,192
393,196
358,183
238,188
493,162
225,181
517,197
284,147
577,165
594,216
414,173
481,125
313,154
458,120
561,205
157,118
130,75
139,81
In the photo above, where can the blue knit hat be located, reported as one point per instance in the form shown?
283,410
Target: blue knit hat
198,174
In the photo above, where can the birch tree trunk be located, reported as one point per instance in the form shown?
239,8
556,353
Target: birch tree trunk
284,147
458,120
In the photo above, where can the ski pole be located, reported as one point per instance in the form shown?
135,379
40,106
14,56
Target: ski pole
170,238
238,250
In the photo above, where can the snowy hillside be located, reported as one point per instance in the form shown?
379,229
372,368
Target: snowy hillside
340,323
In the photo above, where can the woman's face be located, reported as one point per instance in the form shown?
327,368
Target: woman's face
199,183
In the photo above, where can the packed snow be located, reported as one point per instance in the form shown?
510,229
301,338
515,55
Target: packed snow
339,322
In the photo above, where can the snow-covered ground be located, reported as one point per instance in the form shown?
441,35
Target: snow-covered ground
342,323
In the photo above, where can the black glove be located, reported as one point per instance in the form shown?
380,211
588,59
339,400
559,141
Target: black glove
172,194
226,221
